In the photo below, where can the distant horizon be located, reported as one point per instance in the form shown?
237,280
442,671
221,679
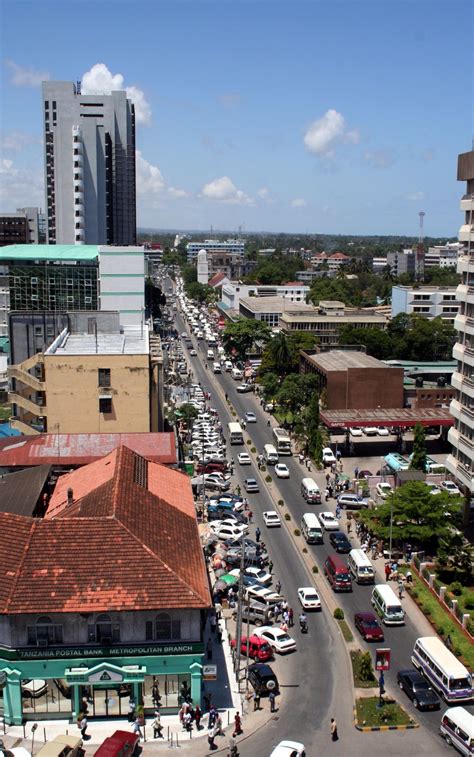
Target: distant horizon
206,234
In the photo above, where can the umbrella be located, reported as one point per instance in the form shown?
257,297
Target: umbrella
210,539
344,477
229,580
219,572
219,586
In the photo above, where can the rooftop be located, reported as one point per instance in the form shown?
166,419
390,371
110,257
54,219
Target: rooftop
19,252
427,288
131,340
274,305
20,491
295,314
341,360
398,417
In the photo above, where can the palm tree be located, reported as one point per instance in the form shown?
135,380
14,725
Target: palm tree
280,352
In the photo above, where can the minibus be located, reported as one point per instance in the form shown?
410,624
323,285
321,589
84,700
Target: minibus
310,491
361,567
442,669
270,454
311,529
457,727
387,605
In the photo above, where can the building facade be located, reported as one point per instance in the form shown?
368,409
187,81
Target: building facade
326,320
461,436
443,255
233,291
233,247
269,309
427,301
89,166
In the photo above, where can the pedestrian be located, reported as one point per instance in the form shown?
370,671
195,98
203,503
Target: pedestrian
157,727
278,586
207,701
212,717
213,623
270,566
328,477
257,534
136,727
250,516
334,735
338,454
256,700
277,612
131,710
349,527
338,511
209,649
326,494
400,589
291,617
356,475
268,422
409,577
341,466
197,717
271,699
387,571
284,625
237,725
286,618
82,723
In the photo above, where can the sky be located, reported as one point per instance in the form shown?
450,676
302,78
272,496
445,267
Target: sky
310,116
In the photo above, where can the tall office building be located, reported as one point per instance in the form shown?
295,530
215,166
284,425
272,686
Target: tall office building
461,436
89,165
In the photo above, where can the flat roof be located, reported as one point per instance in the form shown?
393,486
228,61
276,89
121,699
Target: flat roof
133,341
397,416
293,314
412,366
274,304
340,360
19,252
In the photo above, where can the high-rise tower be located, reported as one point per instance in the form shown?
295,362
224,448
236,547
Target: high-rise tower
89,166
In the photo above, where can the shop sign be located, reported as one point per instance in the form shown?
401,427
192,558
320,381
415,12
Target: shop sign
209,672
44,653
104,676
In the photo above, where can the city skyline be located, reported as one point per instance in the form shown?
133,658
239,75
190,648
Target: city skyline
317,117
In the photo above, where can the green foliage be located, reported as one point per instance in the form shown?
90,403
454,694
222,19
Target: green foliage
189,273
287,516
366,672
418,460
276,269
200,292
268,478
297,532
270,384
296,391
315,569
241,335
338,613
282,353
187,413
455,557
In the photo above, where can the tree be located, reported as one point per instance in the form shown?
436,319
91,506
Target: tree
241,335
418,516
290,394
189,273
270,384
200,292
187,413
377,342
418,460
455,556
282,353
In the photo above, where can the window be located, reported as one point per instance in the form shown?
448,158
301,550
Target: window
104,631
163,628
45,632
104,376
105,404
38,331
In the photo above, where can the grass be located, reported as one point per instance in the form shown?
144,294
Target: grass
345,630
358,681
5,412
442,621
390,714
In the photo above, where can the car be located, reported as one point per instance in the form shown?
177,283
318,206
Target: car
370,430
193,352
279,640
265,595
251,485
263,576
233,500
450,488
340,542
232,522
269,407
434,488
244,388
329,521
271,518
262,678
257,648
382,431
289,749
250,417
368,626
243,458
183,335
328,456
282,470
351,501
233,558
418,690
383,489
355,432
219,513
34,687
309,598
365,474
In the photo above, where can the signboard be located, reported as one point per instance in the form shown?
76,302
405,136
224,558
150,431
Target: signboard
138,650
209,672
104,676
382,659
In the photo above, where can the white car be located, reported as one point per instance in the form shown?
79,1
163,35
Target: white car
279,640
434,488
260,574
328,456
243,458
370,430
227,532
250,417
356,432
382,431
282,470
329,521
271,518
256,593
309,598
383,489
193,352
289,749
451,488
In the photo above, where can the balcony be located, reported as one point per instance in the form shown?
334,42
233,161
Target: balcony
462,474
467,203
19,425
16,372
32,407
466,233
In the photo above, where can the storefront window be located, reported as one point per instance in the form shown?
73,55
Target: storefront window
39,696
166,690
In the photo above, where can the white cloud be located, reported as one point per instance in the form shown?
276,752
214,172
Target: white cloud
323,135
16,141
298,202
224,190
150,181
20,187
265,195
177,194
25,76
100,80
382,158
415,196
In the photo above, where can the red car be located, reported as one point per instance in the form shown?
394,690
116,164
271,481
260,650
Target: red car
368,626
258,649
216,467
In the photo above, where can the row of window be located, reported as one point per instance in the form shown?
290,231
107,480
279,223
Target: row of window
104,631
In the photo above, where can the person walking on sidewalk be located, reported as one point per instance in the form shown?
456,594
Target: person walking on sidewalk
256,700
83,726
291,621
334,735
388,570
237,725
257,534
209,649
271,699
157,727
197,717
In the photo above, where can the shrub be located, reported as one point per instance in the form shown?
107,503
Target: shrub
305,550
456,588
287,516
339,613
469,601
315,569
281,502
366,672
297,532
263,468
249,441
268,478
252,449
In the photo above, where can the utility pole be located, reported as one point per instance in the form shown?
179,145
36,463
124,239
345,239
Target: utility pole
239,612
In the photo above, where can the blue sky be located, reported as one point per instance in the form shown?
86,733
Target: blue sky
330,116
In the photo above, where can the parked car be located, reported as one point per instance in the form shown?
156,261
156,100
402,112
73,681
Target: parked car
309,598
340,542
383,489
271,518
351,501
382,431
278,639
370,430
418,690
328,456
451,488
244,388
355,432
257,648
282,470
289,749
218,513
329,521
262,678
251,485
368,626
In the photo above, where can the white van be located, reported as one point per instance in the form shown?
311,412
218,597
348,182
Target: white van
457,727
210,354
216,367
387,605
228,365
310,491
311,529
270,454
361,567
237,374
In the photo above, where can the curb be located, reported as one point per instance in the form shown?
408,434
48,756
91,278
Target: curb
375,728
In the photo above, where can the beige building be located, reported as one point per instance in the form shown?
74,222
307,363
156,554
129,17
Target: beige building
325,320
91,383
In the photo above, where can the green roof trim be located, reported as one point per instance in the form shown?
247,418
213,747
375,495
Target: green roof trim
19,252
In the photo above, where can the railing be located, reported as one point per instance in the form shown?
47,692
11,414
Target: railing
27,404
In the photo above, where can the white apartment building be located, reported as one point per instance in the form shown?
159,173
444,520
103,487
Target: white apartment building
235,247
443,255
233,291
428,301
461,435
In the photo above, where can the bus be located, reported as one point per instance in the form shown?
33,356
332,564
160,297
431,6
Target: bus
282,441
444,671
236,435
431,466
396,462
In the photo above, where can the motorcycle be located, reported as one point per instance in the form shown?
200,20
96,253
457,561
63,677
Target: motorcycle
304,626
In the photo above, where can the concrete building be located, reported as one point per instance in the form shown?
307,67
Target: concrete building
325,320
270,309
233,291
89,166
202,267
404,261
354,380
443,255
461,436
105,594
232,247
428,301
95,377
74,277
26,226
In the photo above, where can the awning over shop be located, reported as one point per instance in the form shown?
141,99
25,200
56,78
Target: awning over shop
401,417
106,673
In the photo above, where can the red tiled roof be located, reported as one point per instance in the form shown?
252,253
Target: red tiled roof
216,279
339,256
129,540
292,284
80,449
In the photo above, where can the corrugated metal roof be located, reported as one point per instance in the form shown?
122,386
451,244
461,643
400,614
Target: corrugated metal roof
21,252
398,416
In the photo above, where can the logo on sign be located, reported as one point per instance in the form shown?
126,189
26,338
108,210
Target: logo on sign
105,676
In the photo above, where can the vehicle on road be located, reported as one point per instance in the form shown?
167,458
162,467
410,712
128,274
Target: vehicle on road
235,433
311,529
451,488
251,485
271,518
418,690
446,673
309,598
361,567
255,648
340,542
243,458
310,491
368,626
328,456
270,454
282,470
262,576
350,501
216,368
282,441
262,678
193,352
383,489
250,417
337,573
329,521
456,729
278,639
387,605
236,374
289,749
244,388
